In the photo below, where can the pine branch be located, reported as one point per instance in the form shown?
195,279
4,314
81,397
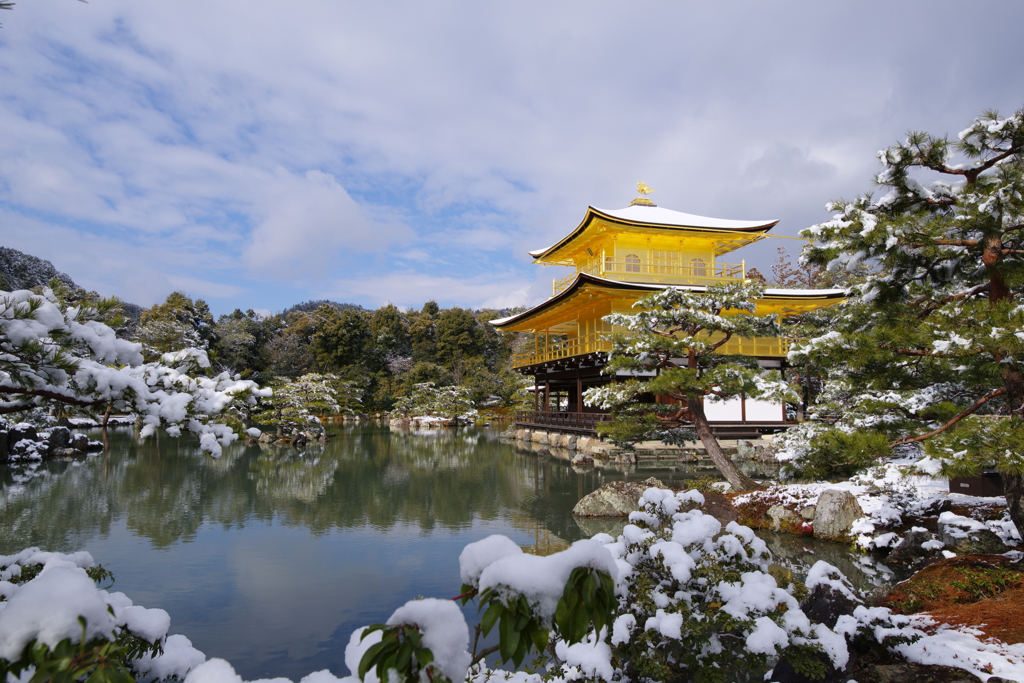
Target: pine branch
928,310
972,173
969,411
70,400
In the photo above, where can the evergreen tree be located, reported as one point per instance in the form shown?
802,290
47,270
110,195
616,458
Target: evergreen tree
295,404
931,348
178,323
389,339
677,333
240,341
423,331
343,341
290,352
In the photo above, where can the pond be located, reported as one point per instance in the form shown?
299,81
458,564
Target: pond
270,557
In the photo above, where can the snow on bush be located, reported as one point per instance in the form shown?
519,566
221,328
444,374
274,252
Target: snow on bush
51,354
62,603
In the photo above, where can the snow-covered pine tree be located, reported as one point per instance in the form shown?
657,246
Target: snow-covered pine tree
52,355
932,348
677,333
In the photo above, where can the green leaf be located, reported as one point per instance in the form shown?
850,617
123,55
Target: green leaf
539,637
424,656
491,616
521,649
561,611
404,656
589,587
508,638
578,628
371,629
369,659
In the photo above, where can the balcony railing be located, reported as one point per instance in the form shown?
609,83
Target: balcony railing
658,272
760,347
567,348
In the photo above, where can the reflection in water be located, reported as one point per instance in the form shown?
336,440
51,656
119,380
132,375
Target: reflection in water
269,556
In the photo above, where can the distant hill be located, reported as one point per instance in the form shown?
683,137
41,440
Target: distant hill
24,271
310,306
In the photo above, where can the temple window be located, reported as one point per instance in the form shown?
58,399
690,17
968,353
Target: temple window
698,268
632,263
666,261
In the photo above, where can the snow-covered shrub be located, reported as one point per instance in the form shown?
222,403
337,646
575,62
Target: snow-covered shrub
570,593
295,404
426,399
696,599
833,453
55,624
672,596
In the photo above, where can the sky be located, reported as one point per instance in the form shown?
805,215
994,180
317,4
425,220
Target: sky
257,154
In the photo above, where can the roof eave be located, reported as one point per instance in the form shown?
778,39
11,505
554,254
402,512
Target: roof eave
540,256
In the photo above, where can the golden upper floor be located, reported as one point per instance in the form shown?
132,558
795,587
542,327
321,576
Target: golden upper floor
645,243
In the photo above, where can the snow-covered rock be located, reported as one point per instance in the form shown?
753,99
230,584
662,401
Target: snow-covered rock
615,499
835,513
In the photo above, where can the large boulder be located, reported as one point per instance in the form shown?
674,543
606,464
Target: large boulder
59,439
966,536
834,514
784,519
21,432
615,499
824,604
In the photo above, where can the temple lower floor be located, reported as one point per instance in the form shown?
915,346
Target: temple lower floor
558,404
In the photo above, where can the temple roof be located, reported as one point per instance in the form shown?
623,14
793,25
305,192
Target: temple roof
641,216
583,279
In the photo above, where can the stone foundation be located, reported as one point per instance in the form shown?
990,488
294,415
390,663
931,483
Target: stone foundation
572,444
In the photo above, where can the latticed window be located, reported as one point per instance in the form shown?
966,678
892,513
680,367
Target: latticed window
666,261
632,263
698,268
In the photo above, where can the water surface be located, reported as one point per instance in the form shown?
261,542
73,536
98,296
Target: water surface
270,557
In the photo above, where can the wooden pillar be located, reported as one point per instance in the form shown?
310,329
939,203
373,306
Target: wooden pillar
547,395
579,392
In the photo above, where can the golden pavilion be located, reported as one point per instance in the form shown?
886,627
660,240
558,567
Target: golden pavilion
617,257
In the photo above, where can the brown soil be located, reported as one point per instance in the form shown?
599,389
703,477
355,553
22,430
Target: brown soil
982,591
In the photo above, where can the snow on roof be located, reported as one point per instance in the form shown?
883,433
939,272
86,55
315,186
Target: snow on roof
656,214
805,292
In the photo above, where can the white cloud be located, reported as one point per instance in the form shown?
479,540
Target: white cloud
336,140
308,221
413,289
204,289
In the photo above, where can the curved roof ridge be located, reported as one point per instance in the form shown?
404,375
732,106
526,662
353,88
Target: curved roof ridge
658,217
